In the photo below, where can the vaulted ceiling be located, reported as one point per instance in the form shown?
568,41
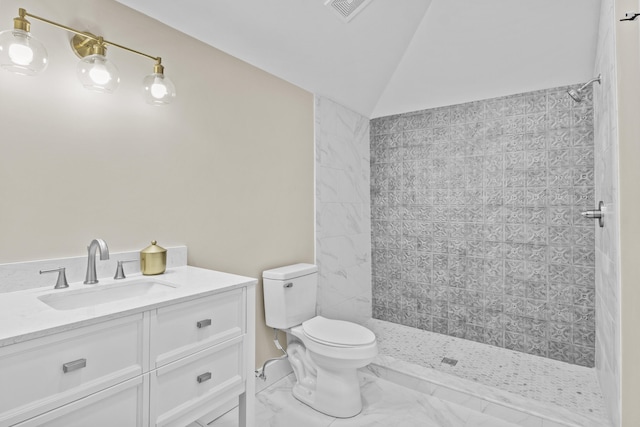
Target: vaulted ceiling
402,55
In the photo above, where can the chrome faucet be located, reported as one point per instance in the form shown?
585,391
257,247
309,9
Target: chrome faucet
95,244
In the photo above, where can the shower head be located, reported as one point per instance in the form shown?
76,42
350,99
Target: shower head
576,94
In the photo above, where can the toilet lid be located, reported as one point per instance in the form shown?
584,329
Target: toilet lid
337,332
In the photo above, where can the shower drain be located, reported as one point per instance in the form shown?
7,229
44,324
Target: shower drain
448,361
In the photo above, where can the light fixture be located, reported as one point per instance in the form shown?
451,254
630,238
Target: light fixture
96,72
22,54
158,89
19,52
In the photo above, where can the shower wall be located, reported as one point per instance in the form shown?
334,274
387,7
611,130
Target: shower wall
343,218
608,289
476,225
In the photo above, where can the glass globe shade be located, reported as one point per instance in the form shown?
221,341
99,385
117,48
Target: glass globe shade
98,74
158,89
22,54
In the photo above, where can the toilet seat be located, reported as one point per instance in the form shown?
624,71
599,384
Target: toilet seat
337,333
342,352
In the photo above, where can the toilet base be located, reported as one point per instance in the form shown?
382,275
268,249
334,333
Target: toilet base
337,394
334,392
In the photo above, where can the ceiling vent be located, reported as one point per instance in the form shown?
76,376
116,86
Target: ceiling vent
347,9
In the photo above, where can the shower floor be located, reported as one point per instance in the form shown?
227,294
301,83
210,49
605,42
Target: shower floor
518,380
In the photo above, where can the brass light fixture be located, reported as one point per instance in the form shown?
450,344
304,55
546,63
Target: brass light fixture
22,54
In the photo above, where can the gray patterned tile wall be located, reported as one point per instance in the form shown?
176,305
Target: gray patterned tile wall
476,225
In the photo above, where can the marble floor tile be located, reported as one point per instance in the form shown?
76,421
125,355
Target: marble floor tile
544,380
385,405
408,385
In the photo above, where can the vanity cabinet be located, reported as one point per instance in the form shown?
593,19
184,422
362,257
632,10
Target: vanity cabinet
123,405
198,355
45,373
182,329
166,366
190,388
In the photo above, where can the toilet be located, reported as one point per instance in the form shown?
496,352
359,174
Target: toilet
324,353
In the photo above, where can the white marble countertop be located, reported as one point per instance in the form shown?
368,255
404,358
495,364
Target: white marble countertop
23,316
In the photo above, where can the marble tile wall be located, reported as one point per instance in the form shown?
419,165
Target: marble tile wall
607,239
476,225
343,218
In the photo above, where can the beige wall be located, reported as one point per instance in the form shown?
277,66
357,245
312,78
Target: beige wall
628,61
226,170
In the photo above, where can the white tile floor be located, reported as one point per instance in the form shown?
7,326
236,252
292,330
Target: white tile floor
544,380
408,386
385,405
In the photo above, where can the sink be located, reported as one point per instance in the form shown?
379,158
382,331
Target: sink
103,294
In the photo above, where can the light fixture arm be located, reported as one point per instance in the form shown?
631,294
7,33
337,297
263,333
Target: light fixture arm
21,23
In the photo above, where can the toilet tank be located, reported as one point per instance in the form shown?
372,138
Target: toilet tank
290,295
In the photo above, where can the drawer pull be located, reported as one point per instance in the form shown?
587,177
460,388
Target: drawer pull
204,377
72,366
203,323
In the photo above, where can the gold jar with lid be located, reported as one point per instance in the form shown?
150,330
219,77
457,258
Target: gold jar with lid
153,259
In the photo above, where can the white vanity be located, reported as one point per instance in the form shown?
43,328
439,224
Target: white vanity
160,350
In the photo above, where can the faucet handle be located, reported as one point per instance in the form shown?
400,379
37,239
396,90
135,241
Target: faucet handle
120,269
61,283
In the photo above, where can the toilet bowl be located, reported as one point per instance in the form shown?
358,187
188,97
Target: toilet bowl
325,361
325,354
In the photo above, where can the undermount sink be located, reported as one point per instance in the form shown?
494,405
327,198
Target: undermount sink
103,294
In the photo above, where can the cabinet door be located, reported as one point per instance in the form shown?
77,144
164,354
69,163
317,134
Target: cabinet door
123,405
186,328
185,390
45,373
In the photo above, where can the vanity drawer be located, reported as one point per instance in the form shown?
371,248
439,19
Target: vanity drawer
125,404
186,328
185,390
46,373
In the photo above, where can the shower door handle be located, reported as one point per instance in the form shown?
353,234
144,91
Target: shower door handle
597,214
